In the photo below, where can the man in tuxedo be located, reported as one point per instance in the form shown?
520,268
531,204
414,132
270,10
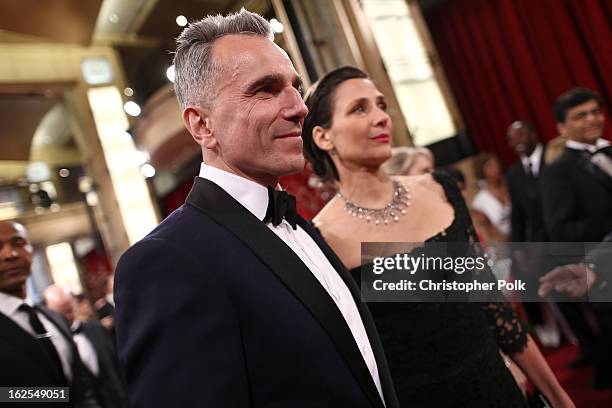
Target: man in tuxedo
95,347
577,191
233,300
35,346
526,217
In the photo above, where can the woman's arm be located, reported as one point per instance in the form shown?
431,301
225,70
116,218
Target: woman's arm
535,367
484,224
513,340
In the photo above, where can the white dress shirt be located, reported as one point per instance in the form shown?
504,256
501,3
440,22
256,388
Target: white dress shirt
254,197
9,306
592,148
532,163
87,352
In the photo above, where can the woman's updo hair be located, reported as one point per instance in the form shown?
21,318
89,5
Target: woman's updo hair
319,100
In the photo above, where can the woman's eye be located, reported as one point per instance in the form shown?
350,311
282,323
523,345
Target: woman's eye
382,106
358,108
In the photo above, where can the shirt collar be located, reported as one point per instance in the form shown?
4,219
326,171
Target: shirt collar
252,196
533,158
9,303
600,144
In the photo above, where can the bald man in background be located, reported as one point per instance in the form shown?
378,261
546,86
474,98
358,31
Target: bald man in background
95,347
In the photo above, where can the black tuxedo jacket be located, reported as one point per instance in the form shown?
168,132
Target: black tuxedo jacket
109,385
214,310
577,199
25,363
527,217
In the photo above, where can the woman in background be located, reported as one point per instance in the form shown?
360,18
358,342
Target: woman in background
491,205
440,354
409,161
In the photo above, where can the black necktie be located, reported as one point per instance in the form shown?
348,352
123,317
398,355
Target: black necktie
280,205
78,329
44,337
529,168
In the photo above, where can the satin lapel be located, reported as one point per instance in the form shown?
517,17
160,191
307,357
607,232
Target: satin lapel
287,266
23,340
368,321
593,171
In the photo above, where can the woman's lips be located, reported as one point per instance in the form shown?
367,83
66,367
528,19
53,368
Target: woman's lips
382,138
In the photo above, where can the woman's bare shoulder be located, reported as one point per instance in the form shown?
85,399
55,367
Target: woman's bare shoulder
326,219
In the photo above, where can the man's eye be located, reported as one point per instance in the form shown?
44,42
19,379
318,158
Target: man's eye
266,89
18,242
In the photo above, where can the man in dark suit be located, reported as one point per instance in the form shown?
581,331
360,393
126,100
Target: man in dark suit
96,349
35,346
233,300
526,218
577,189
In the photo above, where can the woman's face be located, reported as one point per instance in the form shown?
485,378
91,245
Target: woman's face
422,165
492,169
360,133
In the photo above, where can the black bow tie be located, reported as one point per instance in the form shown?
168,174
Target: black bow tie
605,150
280,205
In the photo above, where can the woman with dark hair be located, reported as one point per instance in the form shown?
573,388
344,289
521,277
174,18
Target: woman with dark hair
491,205
440,354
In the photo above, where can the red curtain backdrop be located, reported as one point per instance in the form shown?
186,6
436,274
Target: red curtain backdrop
510,59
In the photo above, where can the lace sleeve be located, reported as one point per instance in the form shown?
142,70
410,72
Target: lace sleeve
501,317
506,326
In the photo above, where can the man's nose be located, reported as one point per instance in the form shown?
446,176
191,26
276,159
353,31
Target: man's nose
8,252
295,109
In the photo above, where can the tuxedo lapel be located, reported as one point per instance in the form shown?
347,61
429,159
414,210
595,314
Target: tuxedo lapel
14,334
287,266
368,320
583,163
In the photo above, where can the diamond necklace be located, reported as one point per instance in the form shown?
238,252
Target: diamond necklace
381,216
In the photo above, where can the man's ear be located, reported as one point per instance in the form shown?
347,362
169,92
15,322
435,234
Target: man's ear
199,124
322,138
561,128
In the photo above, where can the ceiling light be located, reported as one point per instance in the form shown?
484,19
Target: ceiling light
128,91
181,21
276,26
113,18
64,173
170,73
132,108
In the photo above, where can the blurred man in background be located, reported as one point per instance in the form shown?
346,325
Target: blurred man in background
96,349
36,347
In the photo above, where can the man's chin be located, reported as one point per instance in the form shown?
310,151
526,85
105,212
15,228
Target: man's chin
293,166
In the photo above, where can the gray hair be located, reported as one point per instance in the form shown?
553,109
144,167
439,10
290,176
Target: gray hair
196,71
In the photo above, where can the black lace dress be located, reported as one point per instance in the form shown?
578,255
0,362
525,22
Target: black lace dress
447,354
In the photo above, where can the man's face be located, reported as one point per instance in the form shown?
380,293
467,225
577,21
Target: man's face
258,113
522,140
583,123
15,258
